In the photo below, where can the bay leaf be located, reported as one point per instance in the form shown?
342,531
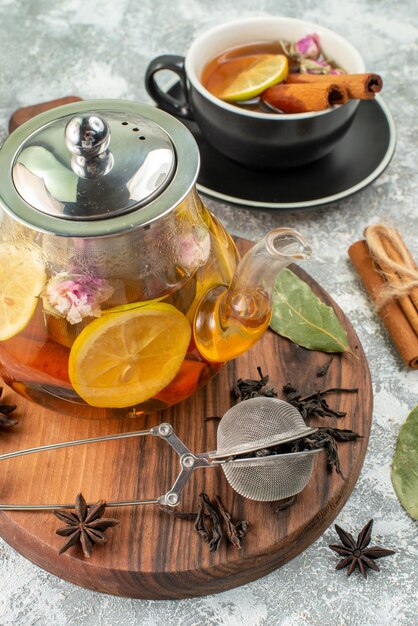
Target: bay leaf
405,465
299,315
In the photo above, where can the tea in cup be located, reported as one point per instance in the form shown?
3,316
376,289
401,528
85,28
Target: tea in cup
252,134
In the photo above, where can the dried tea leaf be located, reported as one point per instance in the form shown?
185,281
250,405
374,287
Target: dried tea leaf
299,315
405,465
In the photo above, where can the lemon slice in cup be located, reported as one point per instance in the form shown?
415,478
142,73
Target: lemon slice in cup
22,278
261,72
128,354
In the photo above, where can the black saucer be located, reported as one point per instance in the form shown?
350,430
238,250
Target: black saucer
360,157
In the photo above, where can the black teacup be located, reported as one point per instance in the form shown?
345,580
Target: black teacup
255,139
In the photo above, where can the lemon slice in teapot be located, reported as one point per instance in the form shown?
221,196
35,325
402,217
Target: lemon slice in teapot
259,72
22,278
129,354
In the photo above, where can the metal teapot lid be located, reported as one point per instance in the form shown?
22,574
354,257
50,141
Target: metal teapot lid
97,168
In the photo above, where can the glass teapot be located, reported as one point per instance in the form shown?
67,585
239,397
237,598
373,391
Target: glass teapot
119,292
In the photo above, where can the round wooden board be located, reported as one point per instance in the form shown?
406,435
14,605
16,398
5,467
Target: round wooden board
151,554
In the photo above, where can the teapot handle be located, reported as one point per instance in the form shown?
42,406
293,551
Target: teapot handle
179,107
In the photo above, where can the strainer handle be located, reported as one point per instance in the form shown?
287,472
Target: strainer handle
188,462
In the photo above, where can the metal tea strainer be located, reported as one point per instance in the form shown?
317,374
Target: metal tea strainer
247,427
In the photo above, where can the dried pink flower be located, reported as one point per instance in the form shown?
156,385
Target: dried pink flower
193,249
308,46
75,296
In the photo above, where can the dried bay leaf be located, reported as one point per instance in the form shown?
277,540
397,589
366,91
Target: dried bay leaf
405,465
299,315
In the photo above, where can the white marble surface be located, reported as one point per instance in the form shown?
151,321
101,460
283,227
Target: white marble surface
100,48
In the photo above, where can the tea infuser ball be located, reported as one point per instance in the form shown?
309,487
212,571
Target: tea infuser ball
263,478
258,424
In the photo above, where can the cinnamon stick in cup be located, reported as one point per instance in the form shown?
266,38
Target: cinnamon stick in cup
304,97
358,86
392,314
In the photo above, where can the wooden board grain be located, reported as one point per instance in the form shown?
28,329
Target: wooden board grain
26,113
151,554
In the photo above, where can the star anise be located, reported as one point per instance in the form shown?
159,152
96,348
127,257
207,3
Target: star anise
356,553
5,410
86,525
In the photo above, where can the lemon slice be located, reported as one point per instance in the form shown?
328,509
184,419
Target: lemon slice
22,278
129,354
262,71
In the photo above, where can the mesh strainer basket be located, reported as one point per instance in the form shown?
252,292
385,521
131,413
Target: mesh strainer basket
258,423
275,478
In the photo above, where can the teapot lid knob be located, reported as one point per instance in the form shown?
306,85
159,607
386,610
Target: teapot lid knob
87,135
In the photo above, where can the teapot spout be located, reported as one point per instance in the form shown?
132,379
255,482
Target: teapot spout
229,320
